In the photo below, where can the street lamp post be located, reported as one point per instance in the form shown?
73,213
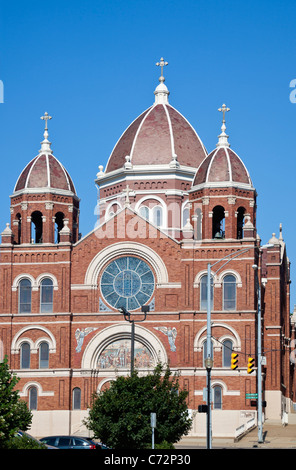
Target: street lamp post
127,317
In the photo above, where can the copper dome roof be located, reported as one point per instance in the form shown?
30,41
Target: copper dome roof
44,173
158,136
222,166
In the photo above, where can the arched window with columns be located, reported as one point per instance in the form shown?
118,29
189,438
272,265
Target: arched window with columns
229,292
227,350
44,355
46,296
25,355
76,398
33,398
217,397
25,294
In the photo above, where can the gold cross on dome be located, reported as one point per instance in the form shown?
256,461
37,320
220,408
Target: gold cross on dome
161,64
224,110
45,118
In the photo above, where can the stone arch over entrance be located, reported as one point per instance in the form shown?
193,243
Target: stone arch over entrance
119,332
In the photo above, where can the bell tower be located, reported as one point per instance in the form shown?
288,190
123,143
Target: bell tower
44,200
222,197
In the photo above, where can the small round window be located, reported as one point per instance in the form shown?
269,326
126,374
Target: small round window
127,282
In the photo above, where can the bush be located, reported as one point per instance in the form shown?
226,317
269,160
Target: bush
120,415
24,442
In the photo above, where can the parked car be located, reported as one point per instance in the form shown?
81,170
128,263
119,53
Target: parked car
25,434
69,442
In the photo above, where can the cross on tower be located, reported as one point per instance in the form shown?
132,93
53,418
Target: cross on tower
45,118
224,110
161,64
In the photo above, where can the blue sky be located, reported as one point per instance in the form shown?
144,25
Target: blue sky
91,65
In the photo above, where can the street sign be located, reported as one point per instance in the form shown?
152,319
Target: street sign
251,396
153,420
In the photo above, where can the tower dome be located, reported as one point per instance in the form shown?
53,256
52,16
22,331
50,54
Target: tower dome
222,167
45,173
159,136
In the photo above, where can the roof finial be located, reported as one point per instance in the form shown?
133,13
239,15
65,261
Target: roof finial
281,232
46,117
223,137
45,144
161,64
161,91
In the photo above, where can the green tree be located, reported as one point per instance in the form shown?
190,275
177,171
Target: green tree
14,413
120,415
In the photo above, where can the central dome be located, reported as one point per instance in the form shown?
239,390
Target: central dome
159,136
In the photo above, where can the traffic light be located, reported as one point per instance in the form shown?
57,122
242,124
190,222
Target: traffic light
251,361
234,361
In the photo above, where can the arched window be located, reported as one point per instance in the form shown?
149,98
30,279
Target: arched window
185,216
157,216
227,350
240,222
218,222
25,296
36,227
204,292
198,224
229,292
59,224
76,398
25,356
217,397
74,230
46,296
44,355
144,212
33,398
19,228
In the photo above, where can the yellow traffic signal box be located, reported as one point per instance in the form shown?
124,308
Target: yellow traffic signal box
251,361
234,361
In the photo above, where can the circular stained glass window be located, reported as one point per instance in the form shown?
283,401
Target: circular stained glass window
127,282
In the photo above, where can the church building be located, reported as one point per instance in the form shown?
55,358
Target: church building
167,210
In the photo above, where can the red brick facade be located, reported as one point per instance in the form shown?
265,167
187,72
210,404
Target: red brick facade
80,325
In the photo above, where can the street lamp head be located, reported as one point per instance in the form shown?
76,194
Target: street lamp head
124,311
255,267
209,363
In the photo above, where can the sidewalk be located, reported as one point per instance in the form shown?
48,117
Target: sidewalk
275,436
